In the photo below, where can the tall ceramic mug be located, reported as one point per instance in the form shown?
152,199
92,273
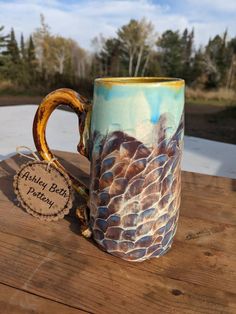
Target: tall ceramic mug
134,142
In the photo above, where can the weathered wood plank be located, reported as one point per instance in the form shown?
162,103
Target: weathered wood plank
90,284
209,197
210,186
194,231
209,266
203,266
14,301
208,234
194,206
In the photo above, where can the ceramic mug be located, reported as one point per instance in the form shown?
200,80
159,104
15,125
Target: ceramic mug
133,136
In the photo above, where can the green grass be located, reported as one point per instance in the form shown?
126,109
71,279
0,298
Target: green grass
221,97
211,102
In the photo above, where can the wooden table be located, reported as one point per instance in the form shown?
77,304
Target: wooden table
51,268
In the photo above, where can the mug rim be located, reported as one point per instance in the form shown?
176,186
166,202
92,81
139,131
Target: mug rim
158,80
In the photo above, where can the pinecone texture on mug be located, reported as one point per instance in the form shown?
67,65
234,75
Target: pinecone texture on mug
135,192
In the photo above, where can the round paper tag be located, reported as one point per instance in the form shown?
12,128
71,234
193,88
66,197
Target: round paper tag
44,191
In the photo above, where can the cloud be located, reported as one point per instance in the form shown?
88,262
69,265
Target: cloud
83,20
214,5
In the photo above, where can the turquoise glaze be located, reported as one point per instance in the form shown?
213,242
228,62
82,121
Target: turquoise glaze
129,106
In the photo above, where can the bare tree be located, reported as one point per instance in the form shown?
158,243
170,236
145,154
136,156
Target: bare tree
146,42
138,38
129,35
55,53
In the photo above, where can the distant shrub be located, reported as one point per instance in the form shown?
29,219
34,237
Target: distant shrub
5,84
221,94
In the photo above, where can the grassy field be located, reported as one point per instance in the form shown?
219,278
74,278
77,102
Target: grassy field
221,97
211,114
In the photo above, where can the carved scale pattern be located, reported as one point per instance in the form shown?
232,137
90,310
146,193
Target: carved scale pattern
135,193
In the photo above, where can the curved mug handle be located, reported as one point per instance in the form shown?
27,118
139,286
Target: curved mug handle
82,107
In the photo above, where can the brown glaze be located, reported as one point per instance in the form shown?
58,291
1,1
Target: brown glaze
135,193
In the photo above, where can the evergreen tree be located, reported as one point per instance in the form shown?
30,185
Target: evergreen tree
12,48
11,56
22,47
3,45
170,53
3,39
187,54
231,75
217,61
110,57
175,53
23,75
31,57
30,64
197,70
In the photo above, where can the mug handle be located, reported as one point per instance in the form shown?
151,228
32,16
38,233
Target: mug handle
82,108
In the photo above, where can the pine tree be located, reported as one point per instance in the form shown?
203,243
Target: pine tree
198,69
23,75
217,61
12,48
3,45
22,47
31,57
231,75
3,39
170,53
31,62
11,58
187,52
110,56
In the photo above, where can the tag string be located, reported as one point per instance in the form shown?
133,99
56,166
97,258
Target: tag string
18,148
50,162
35,158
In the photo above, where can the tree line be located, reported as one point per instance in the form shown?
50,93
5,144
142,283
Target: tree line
45,61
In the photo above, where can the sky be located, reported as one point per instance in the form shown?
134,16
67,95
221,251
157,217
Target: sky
82,20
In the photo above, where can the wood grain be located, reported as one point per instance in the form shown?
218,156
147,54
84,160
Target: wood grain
20,302
208,234
209,198
88,283
52,260
210,267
